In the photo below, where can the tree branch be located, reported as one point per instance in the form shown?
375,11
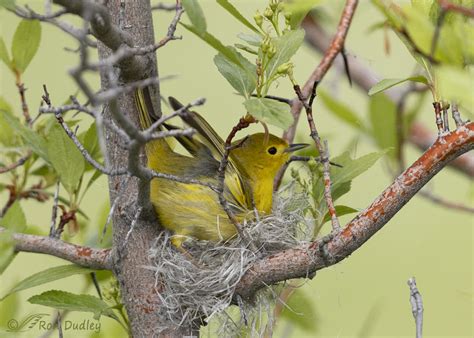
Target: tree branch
336,46
365,78
305,260
81,255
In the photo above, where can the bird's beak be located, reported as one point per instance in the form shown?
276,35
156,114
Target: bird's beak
295,146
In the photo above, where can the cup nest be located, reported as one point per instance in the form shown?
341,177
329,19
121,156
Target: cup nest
201,288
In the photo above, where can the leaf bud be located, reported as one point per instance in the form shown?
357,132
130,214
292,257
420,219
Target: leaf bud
258,18
268,13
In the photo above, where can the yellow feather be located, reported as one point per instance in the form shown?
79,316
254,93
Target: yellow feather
194,210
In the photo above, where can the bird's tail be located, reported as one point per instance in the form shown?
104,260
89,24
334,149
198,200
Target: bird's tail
147,115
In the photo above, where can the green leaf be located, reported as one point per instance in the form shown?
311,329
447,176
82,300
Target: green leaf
25,43
14,219
7,249
341,111
340,190
341,177
242,78
47,276
47,173
456,84
340,211
63,300
388,83
214,43
353,168
90,141
270,111
299,310
8,136
66,159
252,39
4,54
93,178
10,309
382,114
33,139
195,14
298,10
286,46
236,14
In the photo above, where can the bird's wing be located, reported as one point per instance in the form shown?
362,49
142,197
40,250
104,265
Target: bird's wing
207,136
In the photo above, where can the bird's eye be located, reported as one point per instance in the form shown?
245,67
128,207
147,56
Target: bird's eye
272,150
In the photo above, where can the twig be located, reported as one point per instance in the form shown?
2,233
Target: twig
418,135
296,158
126,51
445,118
456,116
16,164
84,152
58,323
243,123
329,56
445,203
52,18
80,255
323,151
335,47
449,6
96,284
24,106
52,227
416,306
439,120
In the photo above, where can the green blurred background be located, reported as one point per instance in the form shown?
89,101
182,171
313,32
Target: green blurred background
366,295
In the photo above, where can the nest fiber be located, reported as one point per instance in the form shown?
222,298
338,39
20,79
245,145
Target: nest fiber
201,285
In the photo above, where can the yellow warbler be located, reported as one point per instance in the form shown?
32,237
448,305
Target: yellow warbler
194,210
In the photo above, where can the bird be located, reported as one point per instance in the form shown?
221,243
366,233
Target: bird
194,210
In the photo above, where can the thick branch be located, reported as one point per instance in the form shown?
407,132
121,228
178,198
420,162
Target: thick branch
80,255
307,259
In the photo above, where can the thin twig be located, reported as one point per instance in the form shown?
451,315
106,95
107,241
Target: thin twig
296,158
52,227
449,6
96,284
439,119
323,150
456,116
416,306
58,323
24,106
243,123
446,203
418,135
16,164
336,46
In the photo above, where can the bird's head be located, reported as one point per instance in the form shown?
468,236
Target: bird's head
261,155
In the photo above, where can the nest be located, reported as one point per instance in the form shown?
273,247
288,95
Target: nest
203,287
